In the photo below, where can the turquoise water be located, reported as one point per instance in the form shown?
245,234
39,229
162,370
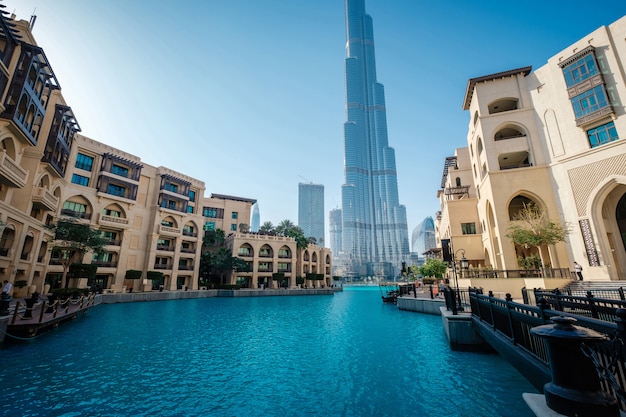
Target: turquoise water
342,355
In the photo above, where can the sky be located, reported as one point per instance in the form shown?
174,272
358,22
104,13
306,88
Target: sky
248,95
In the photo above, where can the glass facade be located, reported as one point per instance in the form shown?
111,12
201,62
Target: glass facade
374,226
311,210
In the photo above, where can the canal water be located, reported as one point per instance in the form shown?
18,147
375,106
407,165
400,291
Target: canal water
342,355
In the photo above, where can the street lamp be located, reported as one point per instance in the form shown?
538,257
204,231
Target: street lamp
464,265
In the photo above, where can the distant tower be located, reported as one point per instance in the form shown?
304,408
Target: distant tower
423,237
311,210
334,222
256,218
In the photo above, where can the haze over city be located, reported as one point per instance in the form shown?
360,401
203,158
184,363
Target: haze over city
249,97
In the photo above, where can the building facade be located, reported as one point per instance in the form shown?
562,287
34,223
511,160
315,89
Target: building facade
311,210
269,255
374,226
151,217
554,138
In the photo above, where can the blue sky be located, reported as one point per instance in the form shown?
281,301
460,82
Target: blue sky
248,95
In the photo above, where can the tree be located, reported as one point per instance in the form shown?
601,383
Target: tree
433,268
216,258
284,226
532,228
266,228
297,233
72,241
213,238
244,228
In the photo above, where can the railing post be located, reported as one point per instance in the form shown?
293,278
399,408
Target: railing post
592,305
491,316
543,305
509,300
621,294
432,296
451,298
575,388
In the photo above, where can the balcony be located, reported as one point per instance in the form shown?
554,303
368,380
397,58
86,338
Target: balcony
185,267
187,250
111,221
163,266
76,214
190,233
44,199
167,230
167,248
11,173
461,190
113,242
103,264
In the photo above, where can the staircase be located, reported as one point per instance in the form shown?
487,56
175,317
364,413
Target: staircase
599,289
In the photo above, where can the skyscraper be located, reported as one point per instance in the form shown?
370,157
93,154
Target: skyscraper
423,237
374,232
311,210
256,218
334,222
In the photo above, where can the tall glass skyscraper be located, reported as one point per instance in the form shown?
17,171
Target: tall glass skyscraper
374,232
256,218
423,237
311,210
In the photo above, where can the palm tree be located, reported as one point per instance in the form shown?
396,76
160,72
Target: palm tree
283,226
266,228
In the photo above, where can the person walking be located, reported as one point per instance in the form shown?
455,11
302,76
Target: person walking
579,270
6,289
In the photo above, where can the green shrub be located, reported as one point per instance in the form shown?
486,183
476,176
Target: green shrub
133,274
20,284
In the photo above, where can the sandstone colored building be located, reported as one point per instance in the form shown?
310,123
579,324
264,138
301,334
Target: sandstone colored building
152,217
553,137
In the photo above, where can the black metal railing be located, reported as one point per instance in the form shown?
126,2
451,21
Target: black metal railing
512,321
615,293
586,306
518,273
457,301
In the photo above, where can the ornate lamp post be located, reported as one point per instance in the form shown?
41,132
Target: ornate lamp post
464,266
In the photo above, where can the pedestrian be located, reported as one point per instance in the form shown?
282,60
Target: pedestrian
579,270
6,289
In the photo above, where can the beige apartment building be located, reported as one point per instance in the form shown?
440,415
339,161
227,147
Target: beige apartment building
553,137
153,218
267,255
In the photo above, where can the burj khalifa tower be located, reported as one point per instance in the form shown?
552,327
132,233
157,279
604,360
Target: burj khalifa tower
374,227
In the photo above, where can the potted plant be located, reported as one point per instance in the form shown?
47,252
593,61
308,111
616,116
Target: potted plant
20,288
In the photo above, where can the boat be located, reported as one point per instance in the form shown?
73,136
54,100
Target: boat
389,292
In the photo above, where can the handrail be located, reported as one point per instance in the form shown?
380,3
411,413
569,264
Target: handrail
512,321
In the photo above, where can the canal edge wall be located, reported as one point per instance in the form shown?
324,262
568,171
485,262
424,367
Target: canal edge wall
191,294
459,328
